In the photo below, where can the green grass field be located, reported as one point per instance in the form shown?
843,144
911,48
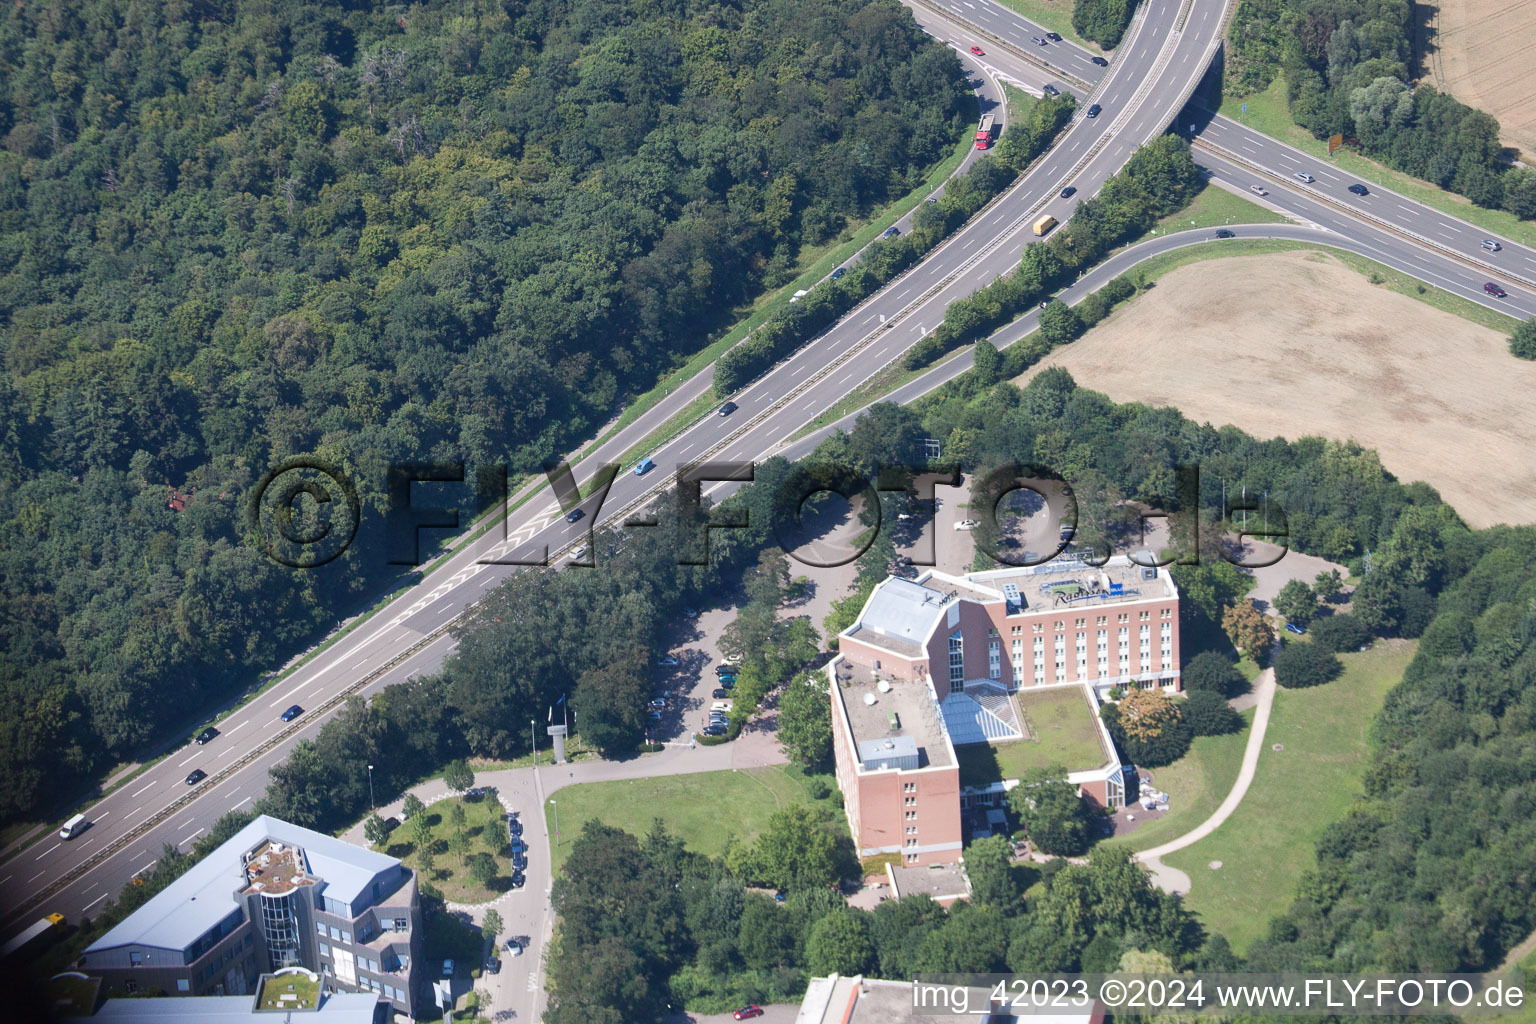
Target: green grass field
487,834
1298,791
703,809
1196,785
1067,735
1267,113
1215,207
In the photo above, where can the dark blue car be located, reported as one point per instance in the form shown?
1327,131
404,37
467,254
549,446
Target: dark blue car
292,713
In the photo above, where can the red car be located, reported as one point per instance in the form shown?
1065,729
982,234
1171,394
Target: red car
1494,290
978,51
748,1012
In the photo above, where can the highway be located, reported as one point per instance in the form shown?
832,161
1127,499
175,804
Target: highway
982,22
157,807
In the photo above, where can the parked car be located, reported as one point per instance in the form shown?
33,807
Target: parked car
574,514
713,730
667,659
1258,190
518,846
728,682
514,827
447,968
725,670
720,692
727,408
747,1012
1100,61
391,823
659,702
1304,176
519,862
967,524
1494,290
492,966
514,948
1291,627
1223,233
206,735
293,712
518,879
654,716
1069,192
1094,110
195,776
1491,245
839,272
978,51
1359,189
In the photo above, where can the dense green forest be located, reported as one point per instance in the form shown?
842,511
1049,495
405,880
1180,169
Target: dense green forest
1349,65
232,231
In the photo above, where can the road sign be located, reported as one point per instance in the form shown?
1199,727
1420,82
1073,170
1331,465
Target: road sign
1335,142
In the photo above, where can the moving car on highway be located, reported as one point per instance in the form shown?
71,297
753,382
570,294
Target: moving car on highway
1494,290
195,776
978,51
294,711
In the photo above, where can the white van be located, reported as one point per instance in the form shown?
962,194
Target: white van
74,826
720,705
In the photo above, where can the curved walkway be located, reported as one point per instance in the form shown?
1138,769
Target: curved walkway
1171,879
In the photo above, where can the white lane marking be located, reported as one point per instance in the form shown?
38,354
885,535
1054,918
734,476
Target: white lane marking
35,877
190,759
191,837
241,804
145,868
97,900
143,788
46,852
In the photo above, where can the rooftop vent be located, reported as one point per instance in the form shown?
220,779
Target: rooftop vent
869,699
884,686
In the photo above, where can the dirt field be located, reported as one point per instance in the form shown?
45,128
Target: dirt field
1439,398
1481,52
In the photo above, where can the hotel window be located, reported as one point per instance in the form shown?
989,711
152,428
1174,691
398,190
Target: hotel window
402,924
1061,623
1144,616
1102,620
1125,618
909,787
911,830
1039,627
1019,629
1081,623
910,801
956,662
911,842
911,815
994,659
1167,613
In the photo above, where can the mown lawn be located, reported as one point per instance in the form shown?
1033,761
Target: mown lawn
703,810
1196,785
1268,842
485,824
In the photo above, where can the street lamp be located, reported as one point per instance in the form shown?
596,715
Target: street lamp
557,821
371,805
533,738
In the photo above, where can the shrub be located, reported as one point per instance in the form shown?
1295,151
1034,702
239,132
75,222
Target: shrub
1300,665
1340,633
1214,673
1208,714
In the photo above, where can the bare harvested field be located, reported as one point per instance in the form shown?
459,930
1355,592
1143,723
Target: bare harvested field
1296,344
1482,52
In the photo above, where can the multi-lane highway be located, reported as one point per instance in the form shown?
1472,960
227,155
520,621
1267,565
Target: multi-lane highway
1217,139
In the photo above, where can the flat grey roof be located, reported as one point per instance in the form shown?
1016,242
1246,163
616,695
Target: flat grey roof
336,1008
934,879
915,712
903,610
205,895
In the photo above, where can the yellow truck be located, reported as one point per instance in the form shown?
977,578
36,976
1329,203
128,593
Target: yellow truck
1044,224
